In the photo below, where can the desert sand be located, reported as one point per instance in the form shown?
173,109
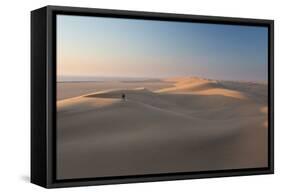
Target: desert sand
179,124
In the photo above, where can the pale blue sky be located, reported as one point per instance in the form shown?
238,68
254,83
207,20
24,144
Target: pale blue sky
98,46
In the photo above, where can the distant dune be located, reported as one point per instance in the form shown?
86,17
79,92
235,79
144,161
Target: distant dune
172,125
73,89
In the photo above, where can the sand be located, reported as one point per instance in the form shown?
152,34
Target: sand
72,89
173,125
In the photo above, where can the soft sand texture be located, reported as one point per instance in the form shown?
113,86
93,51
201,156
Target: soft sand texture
181,124
72,89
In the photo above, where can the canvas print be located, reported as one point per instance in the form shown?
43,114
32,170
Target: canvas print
141,97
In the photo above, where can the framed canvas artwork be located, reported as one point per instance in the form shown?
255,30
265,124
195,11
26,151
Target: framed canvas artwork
126,96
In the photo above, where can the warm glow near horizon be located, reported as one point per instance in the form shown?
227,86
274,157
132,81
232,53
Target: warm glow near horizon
97,46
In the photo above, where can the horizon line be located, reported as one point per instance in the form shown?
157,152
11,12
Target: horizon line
135,78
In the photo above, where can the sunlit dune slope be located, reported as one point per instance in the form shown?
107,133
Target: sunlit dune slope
200,86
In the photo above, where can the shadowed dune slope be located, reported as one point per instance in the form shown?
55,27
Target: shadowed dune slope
171,130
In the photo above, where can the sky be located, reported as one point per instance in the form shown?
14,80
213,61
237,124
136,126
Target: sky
112,47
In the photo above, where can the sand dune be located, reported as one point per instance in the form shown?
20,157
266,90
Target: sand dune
201,87
72,89
193,124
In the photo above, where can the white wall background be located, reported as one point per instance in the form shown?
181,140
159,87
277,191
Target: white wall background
15,95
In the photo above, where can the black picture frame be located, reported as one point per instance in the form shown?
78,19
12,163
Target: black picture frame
43,96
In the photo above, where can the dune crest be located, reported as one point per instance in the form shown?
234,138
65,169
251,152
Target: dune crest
86,103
